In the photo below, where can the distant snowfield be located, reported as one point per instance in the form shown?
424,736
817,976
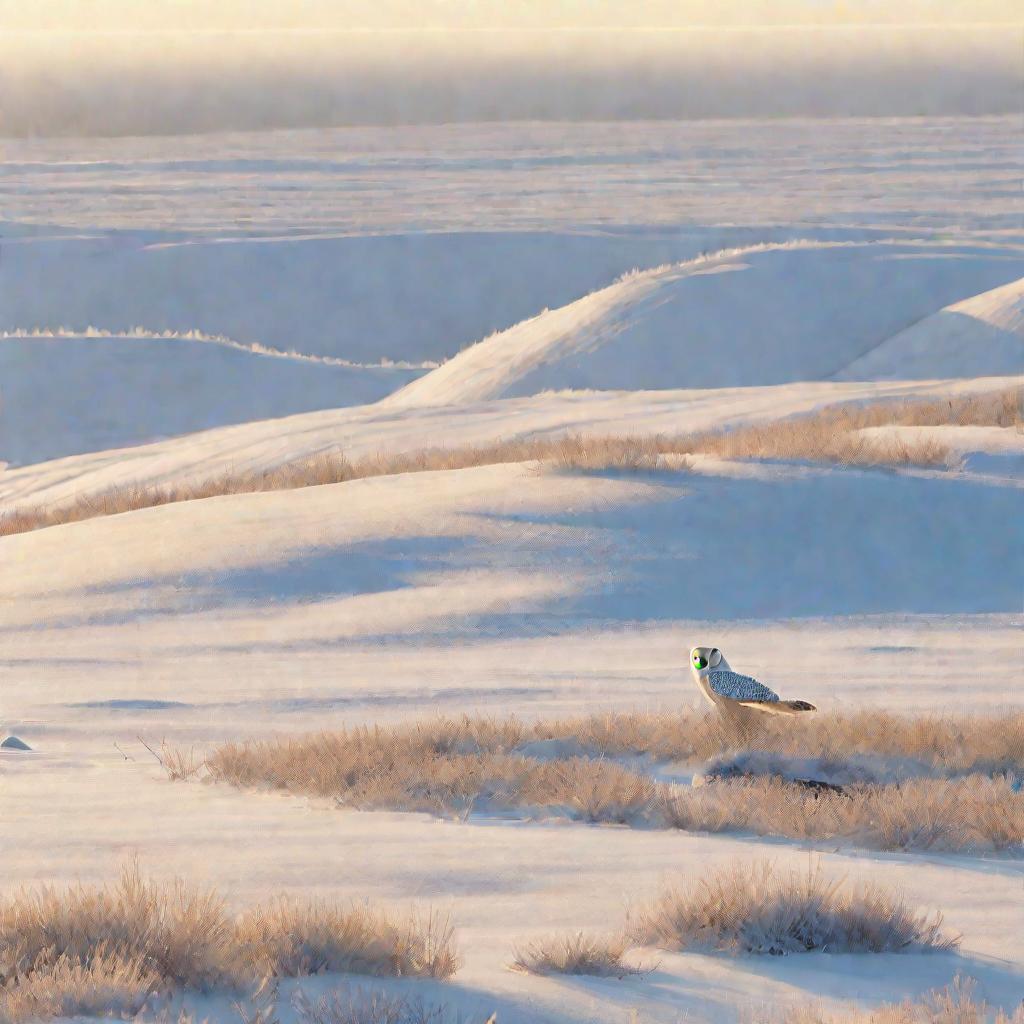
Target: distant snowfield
120,391
510,588
771,314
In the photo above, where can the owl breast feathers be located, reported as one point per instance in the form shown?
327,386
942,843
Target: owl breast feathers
737,687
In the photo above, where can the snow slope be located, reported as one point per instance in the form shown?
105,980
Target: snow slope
382,428
761,315
502,590
413,296
979,336
67,394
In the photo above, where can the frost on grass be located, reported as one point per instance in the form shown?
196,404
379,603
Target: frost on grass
361,1006
953,787
576,953
110,948
955,1004
829,435
756,908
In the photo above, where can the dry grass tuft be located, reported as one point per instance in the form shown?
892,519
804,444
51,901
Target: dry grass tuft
758,909
955,1004
828,435
940,745
114,947
292,939
946,784
831,434
974,814
457,767
179,934
358,1006
66,987
374,769
578,953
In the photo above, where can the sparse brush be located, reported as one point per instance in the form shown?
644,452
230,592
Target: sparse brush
64,986
180,934
827,435
578,953
112,948
973,814
287,938
756,908
955,1004
380,769
458,766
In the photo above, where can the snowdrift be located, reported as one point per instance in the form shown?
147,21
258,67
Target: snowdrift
980,336
763,315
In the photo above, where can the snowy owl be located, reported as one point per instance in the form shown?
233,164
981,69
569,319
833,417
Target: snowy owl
739,698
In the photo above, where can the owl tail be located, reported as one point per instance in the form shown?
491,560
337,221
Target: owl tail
779,707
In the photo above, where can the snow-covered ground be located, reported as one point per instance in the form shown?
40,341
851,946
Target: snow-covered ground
984,333
129,389
511,588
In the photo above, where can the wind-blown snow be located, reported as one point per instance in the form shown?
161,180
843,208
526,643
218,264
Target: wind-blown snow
762,315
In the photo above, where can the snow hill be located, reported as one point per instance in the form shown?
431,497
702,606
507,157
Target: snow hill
66,394
982,335
383,429
415,296
763,315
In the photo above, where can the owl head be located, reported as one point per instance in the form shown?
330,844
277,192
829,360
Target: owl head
706,659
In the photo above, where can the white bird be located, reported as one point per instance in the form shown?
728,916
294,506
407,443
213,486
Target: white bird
740,698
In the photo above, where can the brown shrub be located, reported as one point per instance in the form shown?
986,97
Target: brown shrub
755,908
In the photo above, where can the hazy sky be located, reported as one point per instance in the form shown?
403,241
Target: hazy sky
105,15
126,67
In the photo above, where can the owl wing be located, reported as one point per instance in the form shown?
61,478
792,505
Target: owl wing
737,687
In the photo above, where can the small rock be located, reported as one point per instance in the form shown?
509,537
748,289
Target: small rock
13,743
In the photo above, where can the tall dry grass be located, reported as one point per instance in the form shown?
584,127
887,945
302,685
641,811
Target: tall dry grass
934,745
955,790
942,745
955,1004
87,949
601,956
827,435
756,908
105,985
832,434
